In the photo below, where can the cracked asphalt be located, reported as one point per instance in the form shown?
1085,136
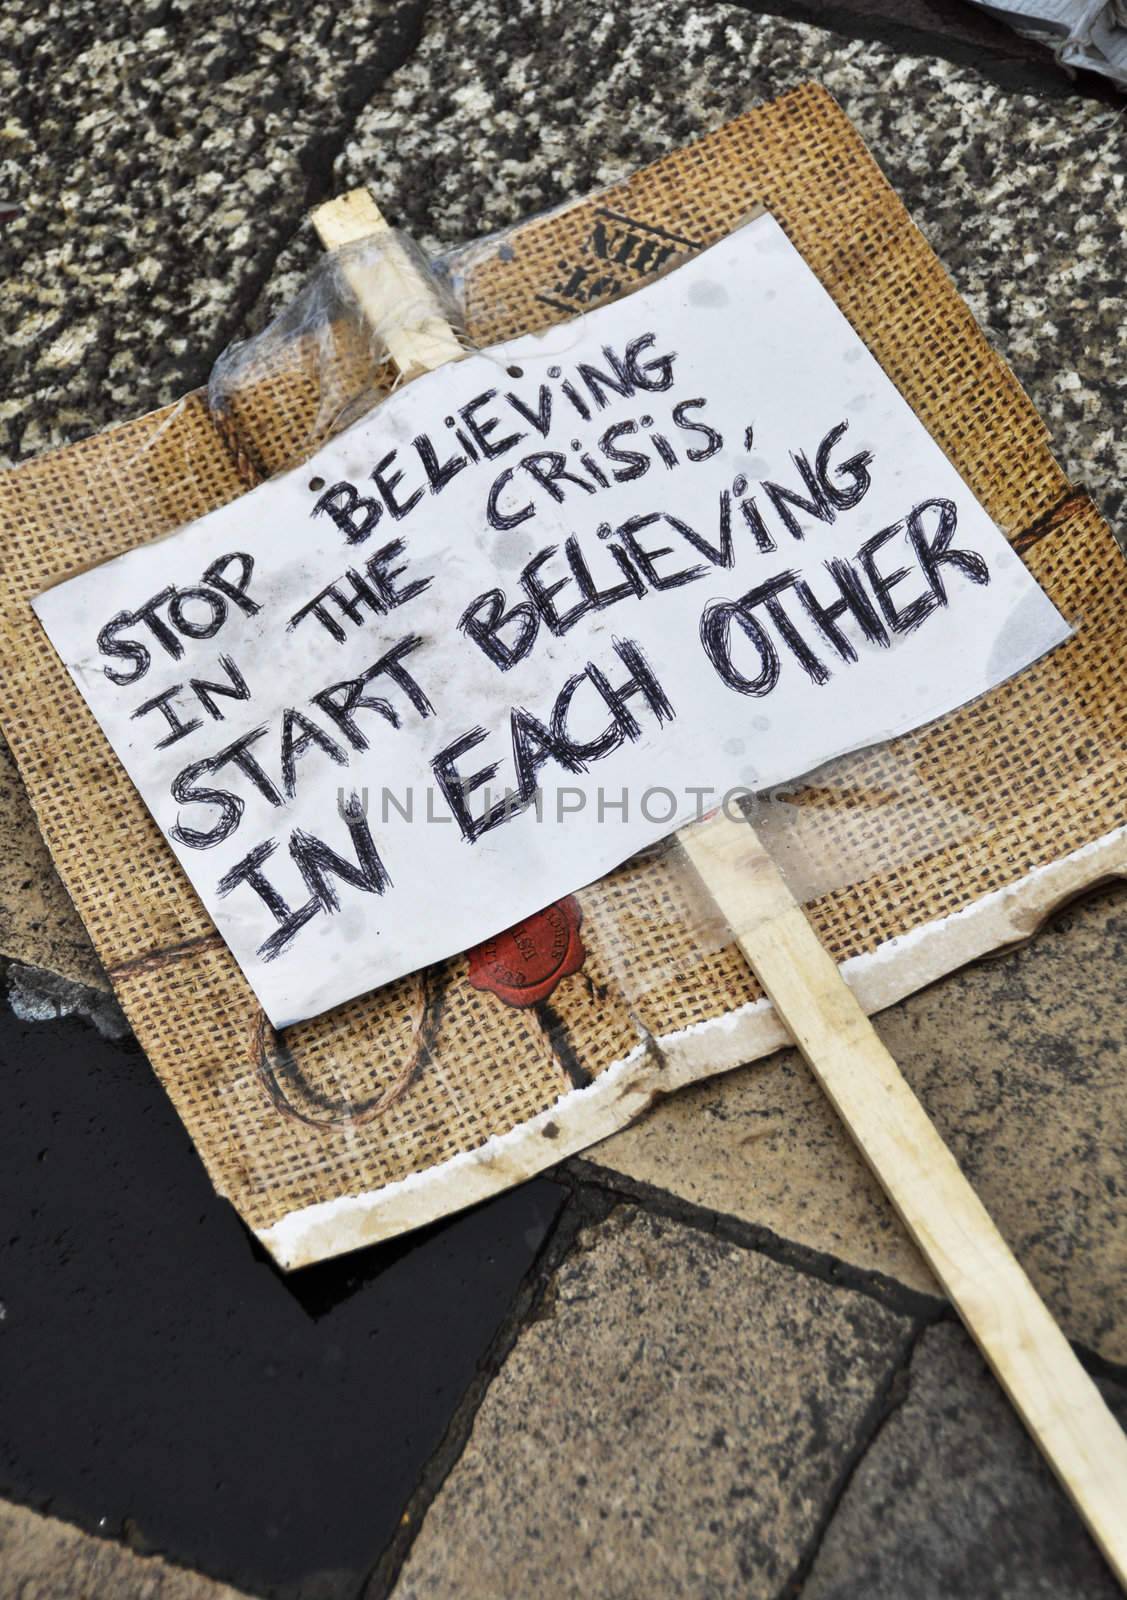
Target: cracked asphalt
703,1361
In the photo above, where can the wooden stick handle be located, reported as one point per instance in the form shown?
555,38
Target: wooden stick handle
393,296
1054,1396
1030,1356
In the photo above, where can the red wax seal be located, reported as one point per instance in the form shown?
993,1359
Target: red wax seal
525,963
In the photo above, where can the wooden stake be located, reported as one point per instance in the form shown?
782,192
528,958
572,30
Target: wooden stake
393,296
1032,1359
1010,1323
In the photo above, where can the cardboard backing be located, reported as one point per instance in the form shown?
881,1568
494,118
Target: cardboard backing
912,857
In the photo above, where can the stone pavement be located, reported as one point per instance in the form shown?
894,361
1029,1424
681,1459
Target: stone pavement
704,1360
41,1559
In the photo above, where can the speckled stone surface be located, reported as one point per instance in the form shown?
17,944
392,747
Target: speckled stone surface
158,153
953,1500
506,110
1018,1060
43,1559
675,1421
163,159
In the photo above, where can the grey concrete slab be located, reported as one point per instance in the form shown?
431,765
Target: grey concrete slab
953,1502
44,1559
675,1420
1019,1062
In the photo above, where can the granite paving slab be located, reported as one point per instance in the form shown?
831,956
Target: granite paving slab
157,155
506,110
675,1420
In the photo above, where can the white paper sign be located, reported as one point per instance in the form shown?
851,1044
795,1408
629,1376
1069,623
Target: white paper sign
535,611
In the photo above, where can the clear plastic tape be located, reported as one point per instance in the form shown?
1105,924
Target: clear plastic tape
325,339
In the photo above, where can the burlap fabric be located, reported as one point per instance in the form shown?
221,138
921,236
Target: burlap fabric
361,1101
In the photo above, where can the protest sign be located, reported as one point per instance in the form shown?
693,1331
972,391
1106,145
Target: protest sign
540,608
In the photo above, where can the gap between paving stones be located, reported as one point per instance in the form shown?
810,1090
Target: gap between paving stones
591,1204
887,1291
404,34
885,1403
594,1197
586,1207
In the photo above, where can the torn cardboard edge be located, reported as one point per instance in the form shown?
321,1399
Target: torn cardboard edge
584,1117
